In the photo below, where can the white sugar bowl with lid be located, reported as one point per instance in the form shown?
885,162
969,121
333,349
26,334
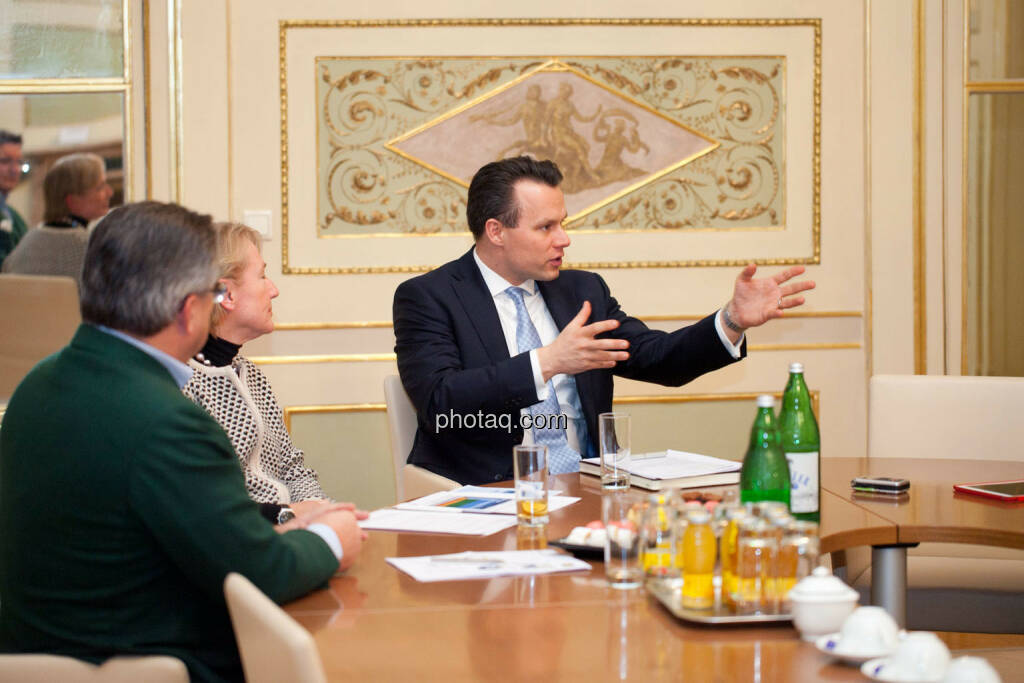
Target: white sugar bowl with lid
820,603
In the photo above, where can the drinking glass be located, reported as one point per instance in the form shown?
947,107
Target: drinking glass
531,472
755,552
621,512
613,439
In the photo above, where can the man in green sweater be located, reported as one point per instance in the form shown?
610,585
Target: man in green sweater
12,225
122,506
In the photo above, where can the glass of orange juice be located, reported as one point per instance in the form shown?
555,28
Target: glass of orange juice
531,471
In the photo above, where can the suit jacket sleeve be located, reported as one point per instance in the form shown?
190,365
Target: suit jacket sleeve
190,459
666,358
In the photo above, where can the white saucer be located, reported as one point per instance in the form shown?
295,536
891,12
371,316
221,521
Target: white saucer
830,645
875,670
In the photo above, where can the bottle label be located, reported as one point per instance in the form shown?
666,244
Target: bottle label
803,478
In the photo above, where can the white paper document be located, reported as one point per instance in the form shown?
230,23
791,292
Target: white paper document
674,464
486,564
479,500
467,524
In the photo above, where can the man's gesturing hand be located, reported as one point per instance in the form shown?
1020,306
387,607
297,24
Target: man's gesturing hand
755,301
576,350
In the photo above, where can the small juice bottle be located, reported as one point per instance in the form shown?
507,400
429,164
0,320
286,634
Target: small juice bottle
699,546
729,547
657,547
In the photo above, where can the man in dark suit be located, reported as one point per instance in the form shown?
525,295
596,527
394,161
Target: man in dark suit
122,506
500,339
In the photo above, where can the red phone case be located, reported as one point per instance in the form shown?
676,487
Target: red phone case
959,488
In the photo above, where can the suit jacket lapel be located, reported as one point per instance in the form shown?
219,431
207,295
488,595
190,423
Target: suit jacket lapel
471,291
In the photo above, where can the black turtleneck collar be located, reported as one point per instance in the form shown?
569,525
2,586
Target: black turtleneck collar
217,352
72,221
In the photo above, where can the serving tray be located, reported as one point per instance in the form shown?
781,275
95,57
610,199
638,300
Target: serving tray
669,593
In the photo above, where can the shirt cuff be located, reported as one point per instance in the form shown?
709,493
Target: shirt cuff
733,349
538,377
330,538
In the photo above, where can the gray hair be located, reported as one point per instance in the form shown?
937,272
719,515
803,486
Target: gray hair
142,261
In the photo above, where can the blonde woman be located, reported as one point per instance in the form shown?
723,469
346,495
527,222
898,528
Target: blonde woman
234,391
77,193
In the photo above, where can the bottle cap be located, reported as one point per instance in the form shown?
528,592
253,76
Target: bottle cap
698,516
796,367
765,401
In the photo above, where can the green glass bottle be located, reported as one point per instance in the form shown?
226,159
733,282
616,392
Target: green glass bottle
798,432
765,473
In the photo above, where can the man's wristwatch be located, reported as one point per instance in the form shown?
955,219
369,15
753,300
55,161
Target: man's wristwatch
285,514
729,322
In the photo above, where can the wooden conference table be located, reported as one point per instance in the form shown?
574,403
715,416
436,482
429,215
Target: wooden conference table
375,623
931,511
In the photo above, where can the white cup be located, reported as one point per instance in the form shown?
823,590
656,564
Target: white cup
920,656
971,670
869,630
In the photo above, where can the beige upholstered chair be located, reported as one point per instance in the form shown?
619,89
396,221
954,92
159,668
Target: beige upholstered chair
50,668
951,586
274,647
40,316
410,481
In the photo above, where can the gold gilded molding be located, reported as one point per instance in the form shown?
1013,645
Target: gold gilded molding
385,324
920,265
714,398
128,111
391,357
175,67
147,101
814,23
1009,85
964,131
31,86
869,307
324,358
813,346
334,325
328,408
620,400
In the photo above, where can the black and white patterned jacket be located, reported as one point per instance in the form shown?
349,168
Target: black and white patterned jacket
239,397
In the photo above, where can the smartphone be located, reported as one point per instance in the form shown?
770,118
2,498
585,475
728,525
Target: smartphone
1001,490
886,485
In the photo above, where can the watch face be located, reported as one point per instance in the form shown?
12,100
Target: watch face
285,515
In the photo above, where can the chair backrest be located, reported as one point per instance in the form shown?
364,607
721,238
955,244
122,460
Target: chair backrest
943,416
48,668
401,427
410,481
40,316
273,646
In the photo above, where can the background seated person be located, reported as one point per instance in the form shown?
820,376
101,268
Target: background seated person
122,508
77,193
234,391
12,225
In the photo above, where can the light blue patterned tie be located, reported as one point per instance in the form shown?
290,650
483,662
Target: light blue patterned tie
561,457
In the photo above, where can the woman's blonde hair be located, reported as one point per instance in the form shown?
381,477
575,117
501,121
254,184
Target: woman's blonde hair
231,241
71,174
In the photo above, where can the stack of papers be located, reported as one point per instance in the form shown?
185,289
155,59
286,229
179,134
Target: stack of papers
673,469
478,511
468,524
486,564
